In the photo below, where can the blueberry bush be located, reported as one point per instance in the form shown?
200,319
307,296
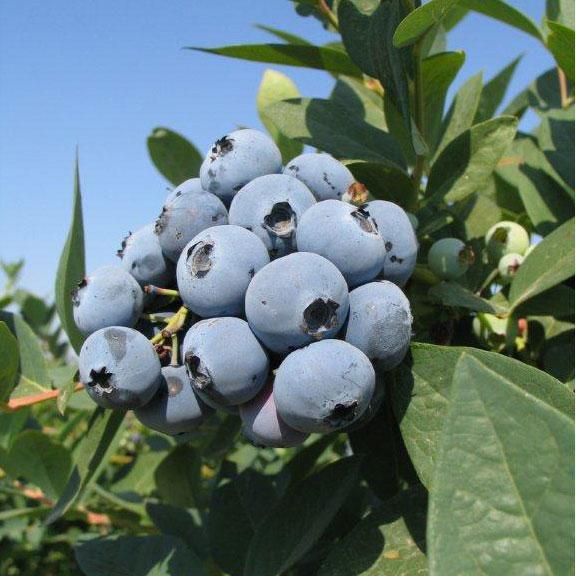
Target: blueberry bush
352,362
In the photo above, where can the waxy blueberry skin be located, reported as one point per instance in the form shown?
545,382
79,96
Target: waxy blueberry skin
225,361
175,408
215,268
142,256
324,387
110,296
326,177
296,300
119,368
399,238
506,238
263,426
271,206
236,159
346,235
450,258
184,215
380,322
188,186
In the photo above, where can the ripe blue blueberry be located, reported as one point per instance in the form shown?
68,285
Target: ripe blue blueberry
324,387
508,266
110,296
188,186
450,258
142,257
236,159
225,361
346,235
215,268
399,240
506,238
295,300
175,408
263,426
271,206
183,216
325,176
119,368
380,322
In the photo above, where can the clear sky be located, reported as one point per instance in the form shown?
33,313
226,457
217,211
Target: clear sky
102,75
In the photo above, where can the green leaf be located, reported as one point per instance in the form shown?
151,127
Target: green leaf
453,294
283,35
494,91
139,479
176,158
561,11
561,44
178,477
303,56
421,395
367,35
329,127
385,182
391,541
557,301
137,556
98,444
295,524
35,457
421,20
32,369
466,164
438,73
547,199
276,87
475,215
64,396
504,474
460,116
500,10
9,361
71,267
550,263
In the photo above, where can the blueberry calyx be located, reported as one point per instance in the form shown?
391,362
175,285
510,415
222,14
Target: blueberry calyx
364,220
342,414
101,379
197,371
75,293
281,221
221,147
198,259
320,316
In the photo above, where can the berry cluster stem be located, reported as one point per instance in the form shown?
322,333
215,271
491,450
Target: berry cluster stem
174,325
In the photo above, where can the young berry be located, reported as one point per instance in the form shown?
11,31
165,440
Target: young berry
119,368
215,268
506,238
450,258
296,300
508,266
380,323
236,159
110,296
175,408
271,206
225,361
346,235
324,387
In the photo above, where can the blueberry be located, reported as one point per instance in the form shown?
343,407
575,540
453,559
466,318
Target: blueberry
508,266
324,387
494,332
413,220
119,368
295,300
399,240
450,258
380,322
346,235
506,238
142,257
271,206
175,408
225,361
263,426
188,186
215,268
236,159
183,216
108,297
326,177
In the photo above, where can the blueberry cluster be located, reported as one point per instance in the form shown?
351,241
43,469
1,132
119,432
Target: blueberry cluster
289,295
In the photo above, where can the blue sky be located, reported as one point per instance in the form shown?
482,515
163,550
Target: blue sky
102,75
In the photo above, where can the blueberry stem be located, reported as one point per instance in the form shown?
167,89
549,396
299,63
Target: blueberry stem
18,403
155,319
174,351
155,290
175,323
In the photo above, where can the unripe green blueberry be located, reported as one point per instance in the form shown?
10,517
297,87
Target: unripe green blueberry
413,220
450,258
506,238
508,266
495,332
